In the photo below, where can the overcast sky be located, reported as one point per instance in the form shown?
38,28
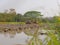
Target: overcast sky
47,7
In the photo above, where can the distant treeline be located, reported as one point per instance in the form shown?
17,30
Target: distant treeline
29,16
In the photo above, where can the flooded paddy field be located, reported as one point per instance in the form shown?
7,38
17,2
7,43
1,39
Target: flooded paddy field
19,34
14,34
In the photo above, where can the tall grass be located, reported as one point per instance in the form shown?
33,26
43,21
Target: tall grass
51,39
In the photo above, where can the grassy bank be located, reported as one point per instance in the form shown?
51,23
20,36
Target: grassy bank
12,23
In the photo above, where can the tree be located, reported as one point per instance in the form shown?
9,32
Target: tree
7,17
34,16
56,19
12,11
19,17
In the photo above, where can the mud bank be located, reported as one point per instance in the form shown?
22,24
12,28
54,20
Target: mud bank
17,27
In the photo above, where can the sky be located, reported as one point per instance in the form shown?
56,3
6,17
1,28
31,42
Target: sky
46,7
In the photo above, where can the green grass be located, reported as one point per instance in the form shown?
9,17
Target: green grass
12,23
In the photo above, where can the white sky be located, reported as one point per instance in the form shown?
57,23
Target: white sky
47,7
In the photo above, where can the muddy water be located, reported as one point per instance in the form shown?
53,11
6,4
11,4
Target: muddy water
13,35
15,39
9,39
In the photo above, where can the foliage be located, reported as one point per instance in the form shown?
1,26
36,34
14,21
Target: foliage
47,23
32,14
51,39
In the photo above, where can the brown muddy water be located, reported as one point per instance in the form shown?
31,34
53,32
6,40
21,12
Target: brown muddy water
16,39
17,34
11,34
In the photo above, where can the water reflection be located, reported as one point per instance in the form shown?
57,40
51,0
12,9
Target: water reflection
18,38
12,39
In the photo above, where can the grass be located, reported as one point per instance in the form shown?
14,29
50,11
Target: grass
51,39
12,23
